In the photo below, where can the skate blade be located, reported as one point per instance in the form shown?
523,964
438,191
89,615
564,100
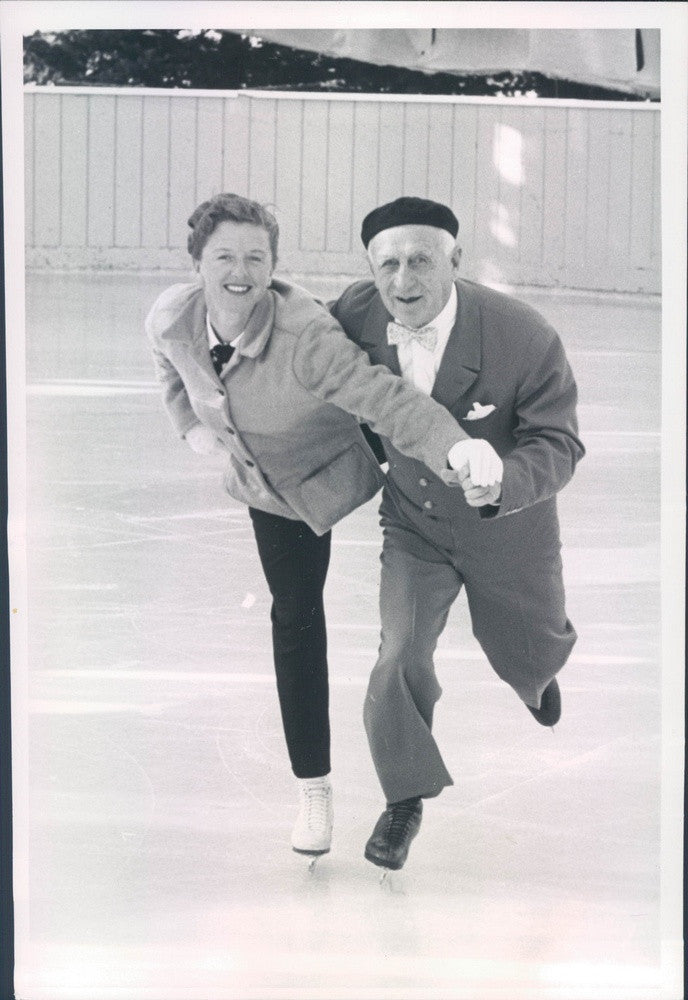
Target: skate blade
391,881
312,857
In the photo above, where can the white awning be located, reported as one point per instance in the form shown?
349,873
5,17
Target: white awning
619,59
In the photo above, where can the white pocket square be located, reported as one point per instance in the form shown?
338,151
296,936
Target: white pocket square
479,411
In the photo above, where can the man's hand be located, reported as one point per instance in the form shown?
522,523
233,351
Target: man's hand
485,467
478,496
202,440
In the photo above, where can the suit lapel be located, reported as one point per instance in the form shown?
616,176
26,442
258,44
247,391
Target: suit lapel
460,365
374,337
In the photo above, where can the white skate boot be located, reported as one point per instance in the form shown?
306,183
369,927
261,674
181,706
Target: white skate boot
312,833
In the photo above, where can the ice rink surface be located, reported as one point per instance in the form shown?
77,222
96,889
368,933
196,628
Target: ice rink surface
161,801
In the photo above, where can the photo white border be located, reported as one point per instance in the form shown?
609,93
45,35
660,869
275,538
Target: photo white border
19,17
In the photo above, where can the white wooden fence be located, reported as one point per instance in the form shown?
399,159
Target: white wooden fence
547,193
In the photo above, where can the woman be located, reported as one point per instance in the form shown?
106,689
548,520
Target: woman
257,368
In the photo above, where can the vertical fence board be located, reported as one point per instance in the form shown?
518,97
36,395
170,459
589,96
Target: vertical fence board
47,170
390,181
641,186
340,139
508,165
464,173
415,177
261,184
29,160
101,171
209,149
489,211
364,164
183,121
74,137
597,208
555,184
575,195
656,193
156,173
314,176
236,145
440,153
288,172
618,208
532,183
128,167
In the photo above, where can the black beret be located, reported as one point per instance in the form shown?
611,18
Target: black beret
408,212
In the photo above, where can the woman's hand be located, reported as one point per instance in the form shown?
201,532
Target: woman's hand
202,440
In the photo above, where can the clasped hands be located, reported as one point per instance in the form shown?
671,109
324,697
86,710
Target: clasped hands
477,469
475,465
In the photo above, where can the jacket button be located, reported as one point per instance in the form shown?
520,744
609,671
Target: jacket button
250,463
428,505
422,481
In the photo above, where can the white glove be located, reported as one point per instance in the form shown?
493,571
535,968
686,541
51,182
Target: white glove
485,465
202,440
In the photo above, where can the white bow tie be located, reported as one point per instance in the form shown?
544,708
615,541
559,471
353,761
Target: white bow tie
425,335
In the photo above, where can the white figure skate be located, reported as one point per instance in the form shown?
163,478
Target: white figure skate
312,833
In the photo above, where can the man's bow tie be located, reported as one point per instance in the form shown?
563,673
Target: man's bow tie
398,334
220,354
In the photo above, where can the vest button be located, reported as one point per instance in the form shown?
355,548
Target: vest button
230,430
251,464
422,481
428,505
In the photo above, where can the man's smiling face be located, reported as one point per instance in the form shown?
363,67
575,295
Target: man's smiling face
235,267
414,268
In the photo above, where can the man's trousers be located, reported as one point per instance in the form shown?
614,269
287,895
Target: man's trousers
516,600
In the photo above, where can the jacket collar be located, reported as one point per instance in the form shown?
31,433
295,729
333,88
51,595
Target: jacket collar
374,333
259,327
190,324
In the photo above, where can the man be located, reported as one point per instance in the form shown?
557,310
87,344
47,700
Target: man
498,367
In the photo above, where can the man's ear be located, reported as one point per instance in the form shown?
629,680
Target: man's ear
456,258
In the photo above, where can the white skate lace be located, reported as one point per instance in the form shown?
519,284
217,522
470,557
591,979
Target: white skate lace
316,801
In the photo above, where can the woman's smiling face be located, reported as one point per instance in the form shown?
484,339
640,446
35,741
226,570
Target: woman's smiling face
236,268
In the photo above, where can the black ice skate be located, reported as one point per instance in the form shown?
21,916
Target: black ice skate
549,712
389,844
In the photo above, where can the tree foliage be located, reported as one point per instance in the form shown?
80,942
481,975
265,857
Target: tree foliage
210,60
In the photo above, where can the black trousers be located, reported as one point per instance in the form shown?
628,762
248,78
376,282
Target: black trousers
295,562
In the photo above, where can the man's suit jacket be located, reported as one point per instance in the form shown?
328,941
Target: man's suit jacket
501,353
286,408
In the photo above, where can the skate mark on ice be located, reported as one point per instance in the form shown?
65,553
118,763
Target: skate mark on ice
548,772
265,806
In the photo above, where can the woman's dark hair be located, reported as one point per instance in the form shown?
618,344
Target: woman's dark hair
229,208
